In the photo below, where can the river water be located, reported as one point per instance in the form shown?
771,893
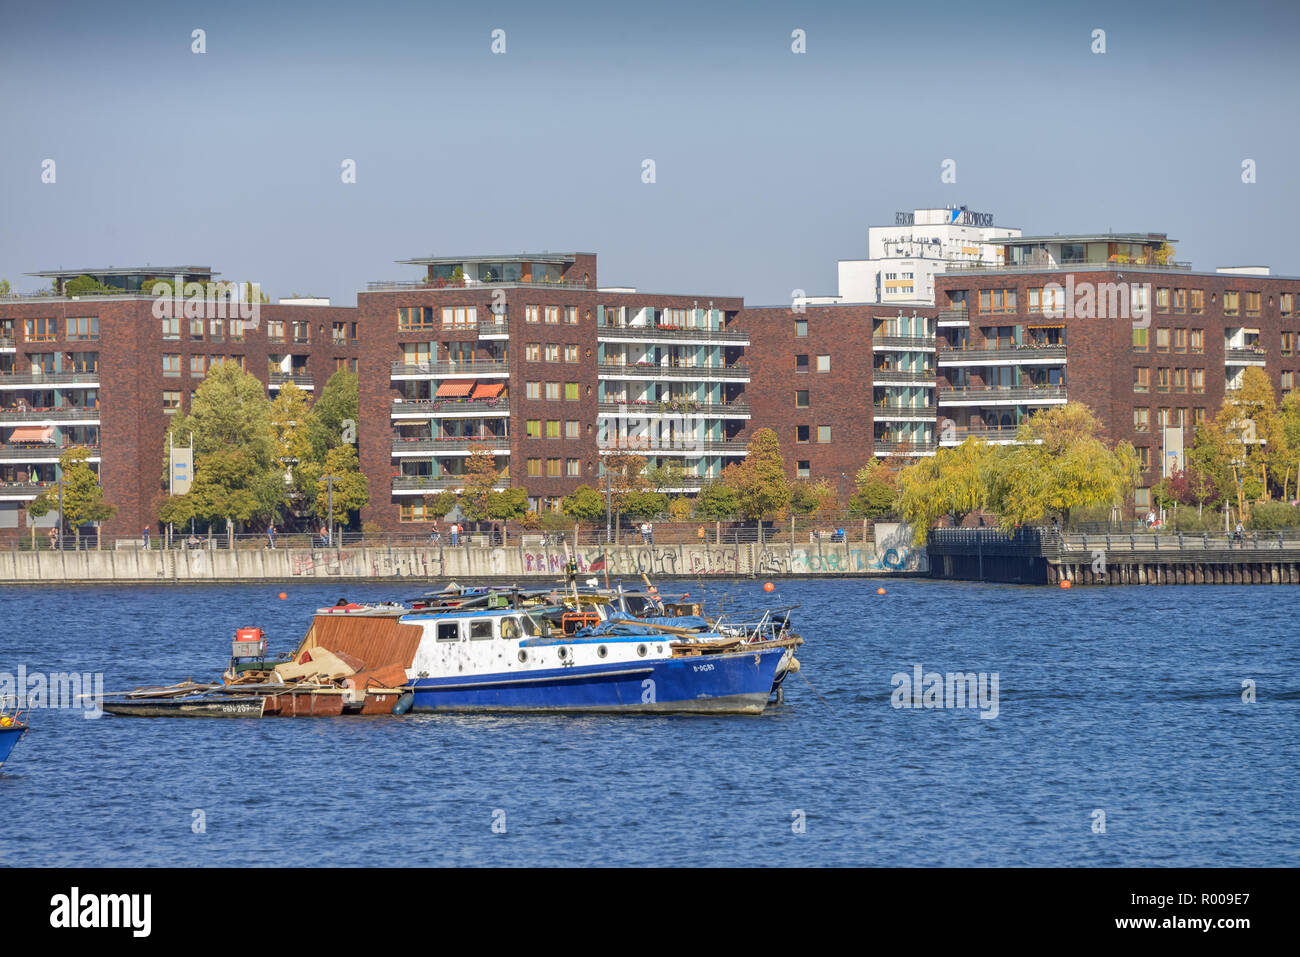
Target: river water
1125,702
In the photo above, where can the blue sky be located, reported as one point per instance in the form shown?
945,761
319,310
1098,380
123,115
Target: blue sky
770,165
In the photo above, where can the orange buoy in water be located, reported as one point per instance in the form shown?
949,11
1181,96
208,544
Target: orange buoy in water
1065,583
768,586
880,590
283,596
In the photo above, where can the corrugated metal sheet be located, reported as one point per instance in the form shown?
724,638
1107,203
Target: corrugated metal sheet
375,641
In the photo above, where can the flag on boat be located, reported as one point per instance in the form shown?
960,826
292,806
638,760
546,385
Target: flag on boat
598,565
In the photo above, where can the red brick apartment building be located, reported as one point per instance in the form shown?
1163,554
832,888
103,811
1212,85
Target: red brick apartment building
528,353
1111,321
103,371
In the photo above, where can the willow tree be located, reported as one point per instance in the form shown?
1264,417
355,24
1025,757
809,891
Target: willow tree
1060,463
950,482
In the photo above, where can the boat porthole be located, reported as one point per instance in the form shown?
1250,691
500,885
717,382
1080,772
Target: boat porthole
564,653
602,651
523,656
641,650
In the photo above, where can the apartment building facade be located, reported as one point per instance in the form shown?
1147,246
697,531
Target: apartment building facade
106,372
527,356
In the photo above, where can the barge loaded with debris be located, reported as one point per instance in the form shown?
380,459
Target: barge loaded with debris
497,649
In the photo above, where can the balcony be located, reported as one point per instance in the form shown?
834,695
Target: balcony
1002,395
1245,356
954,437
893,447
497,445
302,380
904,413
450,370
669,334
676,447
476,284
7,343
953,318
41,453
905,343
614,370
923,377
79,416
28,380
428,484
22,491
493,330
458,408
676,408
1005,355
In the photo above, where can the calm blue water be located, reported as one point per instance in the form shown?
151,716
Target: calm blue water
1123,699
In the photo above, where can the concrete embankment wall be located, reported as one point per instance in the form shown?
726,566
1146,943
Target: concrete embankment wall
467,563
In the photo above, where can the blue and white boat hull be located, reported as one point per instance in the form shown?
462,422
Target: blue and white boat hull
736,683
8,738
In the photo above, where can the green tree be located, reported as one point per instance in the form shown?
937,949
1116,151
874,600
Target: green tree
87,286
237,472
717,501
584,505
439,504
335,414
5,288
762,490
351,488
508,504
290,428
645,504
83,496
481,478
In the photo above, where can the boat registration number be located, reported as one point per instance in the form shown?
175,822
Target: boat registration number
702,667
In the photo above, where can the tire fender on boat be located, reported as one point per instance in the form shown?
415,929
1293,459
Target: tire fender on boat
403,703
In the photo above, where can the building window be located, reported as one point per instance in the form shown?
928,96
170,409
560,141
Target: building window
1144,457
532,390
572,429
532,314
802,433
1162,300
302,333
1288,343
171,327
1198,417
823,363
1142,497
570,353
1198,340
1180,340
552,428
533,352
345,365
171,365
571,315
1286,303
1198,380
1140,340
533,429
1141,420
804,469
196,366
997,301
823,433
535,467
1180,301
1196,301
171,401
800,363
553,318
801,328
196,330
1141,379
801,399
1180,380
274,330
339,334
554,468
552,392
409,319
1162,380
1231,304
571,392
83,328
454,317
40,330
1252,304
236,330
1162,340
1162,417
1288,380
573,467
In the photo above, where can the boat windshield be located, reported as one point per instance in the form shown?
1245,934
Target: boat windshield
639,605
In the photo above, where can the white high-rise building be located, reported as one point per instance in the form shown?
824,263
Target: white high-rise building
906,255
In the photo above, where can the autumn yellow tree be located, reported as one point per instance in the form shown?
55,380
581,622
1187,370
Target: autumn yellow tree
950,482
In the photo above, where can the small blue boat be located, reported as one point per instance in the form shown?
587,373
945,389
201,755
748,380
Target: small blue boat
11,732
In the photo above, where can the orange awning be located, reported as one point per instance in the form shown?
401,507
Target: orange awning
487,390
453,390
32,433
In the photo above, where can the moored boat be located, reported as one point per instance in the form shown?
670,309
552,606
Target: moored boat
12,730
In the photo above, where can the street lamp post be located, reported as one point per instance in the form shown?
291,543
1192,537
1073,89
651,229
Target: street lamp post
60,481
329,491
609,514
